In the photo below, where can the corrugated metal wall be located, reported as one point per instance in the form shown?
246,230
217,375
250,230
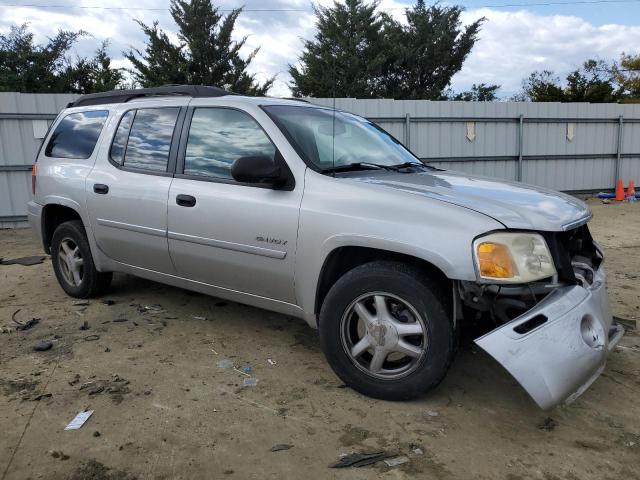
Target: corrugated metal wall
24,119
570,147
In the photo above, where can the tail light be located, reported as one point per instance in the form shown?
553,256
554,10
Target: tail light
34,176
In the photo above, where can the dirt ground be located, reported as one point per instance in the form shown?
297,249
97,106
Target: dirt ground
164,409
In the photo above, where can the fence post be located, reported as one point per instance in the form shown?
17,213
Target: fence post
520,147
616,174
407,131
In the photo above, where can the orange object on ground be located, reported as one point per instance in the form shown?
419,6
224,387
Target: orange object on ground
631,192
620,190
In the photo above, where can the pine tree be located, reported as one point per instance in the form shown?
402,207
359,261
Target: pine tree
347,54
431,49
205,54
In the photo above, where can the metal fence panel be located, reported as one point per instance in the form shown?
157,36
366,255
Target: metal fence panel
571,147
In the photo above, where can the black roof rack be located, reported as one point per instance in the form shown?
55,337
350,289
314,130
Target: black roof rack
122,96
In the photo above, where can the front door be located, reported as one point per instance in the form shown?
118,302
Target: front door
128,188
234,236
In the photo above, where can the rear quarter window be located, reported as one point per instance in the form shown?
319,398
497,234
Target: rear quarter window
76,135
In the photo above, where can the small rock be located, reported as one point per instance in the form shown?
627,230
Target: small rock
108,302
43,346
85,326
96,433
432,413
80,303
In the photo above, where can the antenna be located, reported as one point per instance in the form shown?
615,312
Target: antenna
333,136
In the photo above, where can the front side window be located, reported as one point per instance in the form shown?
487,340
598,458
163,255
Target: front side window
76,135
218,137
328,138
149,139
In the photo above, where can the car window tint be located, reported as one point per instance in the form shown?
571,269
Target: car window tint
150,139
76,135
121,136
218,137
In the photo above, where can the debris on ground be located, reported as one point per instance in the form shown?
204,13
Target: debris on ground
224,363
431,413
79,420
271,362
116,387
94,470
96,433
120,320
108,302
80,303
24,326
59,454
247,369
280,446
155,308
37,398
395,461
91,338
43,346
84,326
24,261
359,460
548,424
195,317
250,382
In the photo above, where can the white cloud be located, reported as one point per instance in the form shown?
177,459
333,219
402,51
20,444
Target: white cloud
510,46
513,44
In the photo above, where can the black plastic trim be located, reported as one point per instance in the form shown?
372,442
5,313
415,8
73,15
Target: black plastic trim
122,96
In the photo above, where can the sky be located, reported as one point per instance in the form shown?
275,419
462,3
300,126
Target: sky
518,36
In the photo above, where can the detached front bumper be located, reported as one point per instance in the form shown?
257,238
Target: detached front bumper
557,349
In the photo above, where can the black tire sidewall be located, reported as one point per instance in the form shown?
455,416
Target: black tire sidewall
90,281
425,296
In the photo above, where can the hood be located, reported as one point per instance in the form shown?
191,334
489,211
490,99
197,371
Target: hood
515,205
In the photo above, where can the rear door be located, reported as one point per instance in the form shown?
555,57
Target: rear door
128,188
235,236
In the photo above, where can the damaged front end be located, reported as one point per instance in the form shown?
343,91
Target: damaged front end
553,335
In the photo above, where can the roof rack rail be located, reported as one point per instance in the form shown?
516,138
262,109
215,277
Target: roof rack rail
122,96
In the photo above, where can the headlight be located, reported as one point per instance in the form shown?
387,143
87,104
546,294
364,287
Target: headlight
513,257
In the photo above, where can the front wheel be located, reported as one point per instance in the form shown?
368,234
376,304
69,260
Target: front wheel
386,330
73,263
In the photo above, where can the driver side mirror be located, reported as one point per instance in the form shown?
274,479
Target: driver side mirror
260,169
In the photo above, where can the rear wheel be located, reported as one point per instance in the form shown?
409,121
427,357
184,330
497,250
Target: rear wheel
73,263
386,330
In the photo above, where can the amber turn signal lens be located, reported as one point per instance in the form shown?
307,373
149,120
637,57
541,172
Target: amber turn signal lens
495,260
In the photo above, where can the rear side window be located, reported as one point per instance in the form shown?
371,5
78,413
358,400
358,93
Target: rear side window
76,135
218,137
143,138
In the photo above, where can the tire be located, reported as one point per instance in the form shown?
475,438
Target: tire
71,237
410,301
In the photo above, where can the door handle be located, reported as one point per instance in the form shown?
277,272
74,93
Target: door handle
101,188
186,200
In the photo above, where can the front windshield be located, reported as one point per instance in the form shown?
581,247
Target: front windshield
328,142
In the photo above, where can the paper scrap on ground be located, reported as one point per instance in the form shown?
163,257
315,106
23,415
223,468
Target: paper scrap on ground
79,421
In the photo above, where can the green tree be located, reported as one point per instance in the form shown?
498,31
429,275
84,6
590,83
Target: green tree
346,56
428,51
627,75
478,93
594,82
94,74
204,55
28,67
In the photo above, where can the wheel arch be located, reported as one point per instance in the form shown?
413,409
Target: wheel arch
344,258
53,215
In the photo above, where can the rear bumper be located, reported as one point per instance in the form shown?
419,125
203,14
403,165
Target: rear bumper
558,348
34,216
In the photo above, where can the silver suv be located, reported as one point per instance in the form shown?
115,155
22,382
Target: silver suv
322,215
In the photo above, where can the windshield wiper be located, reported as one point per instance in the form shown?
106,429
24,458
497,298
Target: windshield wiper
357,166
400,166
